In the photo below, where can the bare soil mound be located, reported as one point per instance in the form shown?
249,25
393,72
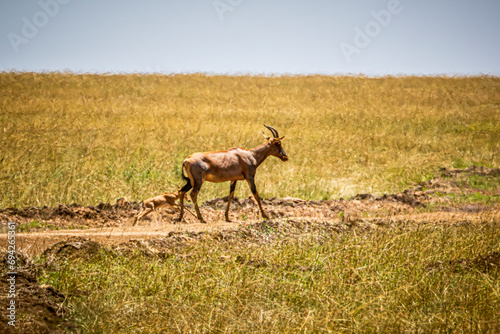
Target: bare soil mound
73,247
457,180
39,308
475,170
256,233
176,242
74,215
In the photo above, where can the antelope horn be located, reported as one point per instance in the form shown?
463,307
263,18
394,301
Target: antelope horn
273,130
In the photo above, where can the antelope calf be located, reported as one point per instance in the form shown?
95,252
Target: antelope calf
231,165
154,203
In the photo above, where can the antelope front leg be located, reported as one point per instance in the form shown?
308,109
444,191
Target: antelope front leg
253,188
231,193
194,199
181,206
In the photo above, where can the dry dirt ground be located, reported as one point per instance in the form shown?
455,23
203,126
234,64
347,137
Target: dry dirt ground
72,230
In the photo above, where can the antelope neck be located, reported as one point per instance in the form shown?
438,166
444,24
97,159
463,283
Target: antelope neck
261,152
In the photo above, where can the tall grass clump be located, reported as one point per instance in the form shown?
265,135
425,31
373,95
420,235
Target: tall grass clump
407,278
92,138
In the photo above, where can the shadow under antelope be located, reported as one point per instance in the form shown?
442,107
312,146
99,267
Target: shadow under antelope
232,165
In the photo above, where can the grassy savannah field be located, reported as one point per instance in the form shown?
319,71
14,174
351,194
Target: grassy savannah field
94,138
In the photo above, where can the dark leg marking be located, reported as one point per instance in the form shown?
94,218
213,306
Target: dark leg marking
194,198
231,193
184,190
253,188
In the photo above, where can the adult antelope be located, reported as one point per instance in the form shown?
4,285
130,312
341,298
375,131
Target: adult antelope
231,165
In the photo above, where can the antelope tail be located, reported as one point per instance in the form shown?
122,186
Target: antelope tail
188,185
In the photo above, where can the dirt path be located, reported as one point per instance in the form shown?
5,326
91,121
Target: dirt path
371,213
36,241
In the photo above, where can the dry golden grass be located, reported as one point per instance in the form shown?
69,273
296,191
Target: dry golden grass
94,138
406,277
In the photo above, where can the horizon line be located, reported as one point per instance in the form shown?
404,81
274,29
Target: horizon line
251,74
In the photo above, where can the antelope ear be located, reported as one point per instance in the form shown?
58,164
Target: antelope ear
281,137
267,138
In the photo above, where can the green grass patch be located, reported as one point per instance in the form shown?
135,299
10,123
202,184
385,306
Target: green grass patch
456,199
36,225
41,225
483,182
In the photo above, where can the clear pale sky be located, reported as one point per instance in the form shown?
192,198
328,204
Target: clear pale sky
421,37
